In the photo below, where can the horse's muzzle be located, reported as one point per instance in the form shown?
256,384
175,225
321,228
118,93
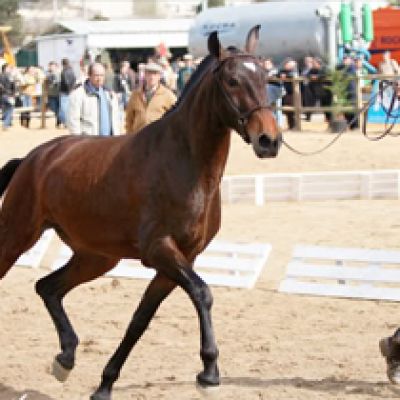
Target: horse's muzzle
266,146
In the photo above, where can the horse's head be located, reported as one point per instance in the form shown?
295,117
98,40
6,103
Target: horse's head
242,91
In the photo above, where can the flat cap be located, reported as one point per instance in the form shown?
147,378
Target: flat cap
153,67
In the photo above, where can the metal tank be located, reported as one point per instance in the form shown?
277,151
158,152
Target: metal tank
288,28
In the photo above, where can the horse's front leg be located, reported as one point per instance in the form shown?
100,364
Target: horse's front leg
159,288
166,254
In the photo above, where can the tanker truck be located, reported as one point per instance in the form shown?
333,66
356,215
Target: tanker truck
322,29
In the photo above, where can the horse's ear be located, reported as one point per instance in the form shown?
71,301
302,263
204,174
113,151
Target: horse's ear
252,39
214,45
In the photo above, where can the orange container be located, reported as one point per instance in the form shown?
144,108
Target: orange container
387,34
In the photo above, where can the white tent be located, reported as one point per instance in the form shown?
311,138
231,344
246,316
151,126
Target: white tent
73,37
135,33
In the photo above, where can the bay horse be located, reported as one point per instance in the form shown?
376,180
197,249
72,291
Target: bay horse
154,196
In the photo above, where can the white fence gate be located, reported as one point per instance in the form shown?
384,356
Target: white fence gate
221,264
343,272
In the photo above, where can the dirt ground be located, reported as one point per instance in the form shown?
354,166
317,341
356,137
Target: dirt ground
272,346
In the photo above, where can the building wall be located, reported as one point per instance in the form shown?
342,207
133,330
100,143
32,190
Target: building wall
40,15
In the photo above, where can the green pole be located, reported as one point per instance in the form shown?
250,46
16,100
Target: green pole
346,23
367,23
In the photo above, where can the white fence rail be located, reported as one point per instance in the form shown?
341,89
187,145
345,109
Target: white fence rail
343,272
221,264
34,256
346,185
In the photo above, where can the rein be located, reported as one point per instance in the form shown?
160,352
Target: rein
389,125
364,109
242,117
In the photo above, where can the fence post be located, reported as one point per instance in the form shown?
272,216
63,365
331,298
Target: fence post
359,98
43,105
259,190
297,103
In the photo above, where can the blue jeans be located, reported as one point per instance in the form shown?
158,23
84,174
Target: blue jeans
26,100
7,109
63,110
26,116
53,103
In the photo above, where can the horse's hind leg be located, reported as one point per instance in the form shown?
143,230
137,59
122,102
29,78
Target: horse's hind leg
159,288
390,349
13,242
53,287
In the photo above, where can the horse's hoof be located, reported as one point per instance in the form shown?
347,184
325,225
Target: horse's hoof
100,396
384,347
393,366
208,391
207,380
59,372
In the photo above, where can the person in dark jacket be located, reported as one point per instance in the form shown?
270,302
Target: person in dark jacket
349,69
124,84
317,86
67,83
53,90
7,95
289,70
306,95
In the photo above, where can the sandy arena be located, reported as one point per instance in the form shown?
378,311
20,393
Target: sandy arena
272,346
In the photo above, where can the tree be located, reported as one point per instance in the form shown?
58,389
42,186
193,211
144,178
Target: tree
9,17
216,3
210,4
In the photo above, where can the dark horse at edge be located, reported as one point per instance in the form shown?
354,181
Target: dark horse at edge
154,197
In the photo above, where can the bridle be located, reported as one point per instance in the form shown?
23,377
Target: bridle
242,117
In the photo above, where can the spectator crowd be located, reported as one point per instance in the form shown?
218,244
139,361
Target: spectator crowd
101,101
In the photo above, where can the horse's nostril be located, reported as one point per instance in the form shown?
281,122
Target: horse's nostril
264,141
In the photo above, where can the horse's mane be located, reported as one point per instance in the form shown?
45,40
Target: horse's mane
197,75
194,79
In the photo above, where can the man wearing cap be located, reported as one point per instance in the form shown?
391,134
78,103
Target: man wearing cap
93,109
150,102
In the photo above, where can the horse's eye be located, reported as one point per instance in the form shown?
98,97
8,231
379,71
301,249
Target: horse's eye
233,82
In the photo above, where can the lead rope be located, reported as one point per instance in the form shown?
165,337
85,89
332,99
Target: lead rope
363,109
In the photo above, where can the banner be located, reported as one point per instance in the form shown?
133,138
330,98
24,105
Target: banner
382,102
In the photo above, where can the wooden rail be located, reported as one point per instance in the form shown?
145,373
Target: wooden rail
298,109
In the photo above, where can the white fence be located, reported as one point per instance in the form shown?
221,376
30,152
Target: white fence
343,272
34,256
346,185
221,264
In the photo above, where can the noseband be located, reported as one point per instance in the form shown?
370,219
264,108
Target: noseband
242,117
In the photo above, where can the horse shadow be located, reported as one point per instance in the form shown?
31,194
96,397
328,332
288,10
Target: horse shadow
329,385
9,393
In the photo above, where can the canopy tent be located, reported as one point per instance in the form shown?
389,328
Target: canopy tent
138,37
136,33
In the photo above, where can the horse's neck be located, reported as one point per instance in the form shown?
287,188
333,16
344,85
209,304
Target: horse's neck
207,137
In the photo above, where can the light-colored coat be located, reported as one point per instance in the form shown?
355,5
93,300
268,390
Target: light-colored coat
139,114
84,115
389,67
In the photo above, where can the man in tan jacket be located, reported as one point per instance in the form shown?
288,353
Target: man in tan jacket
150,102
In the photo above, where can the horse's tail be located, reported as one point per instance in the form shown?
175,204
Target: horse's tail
7,172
